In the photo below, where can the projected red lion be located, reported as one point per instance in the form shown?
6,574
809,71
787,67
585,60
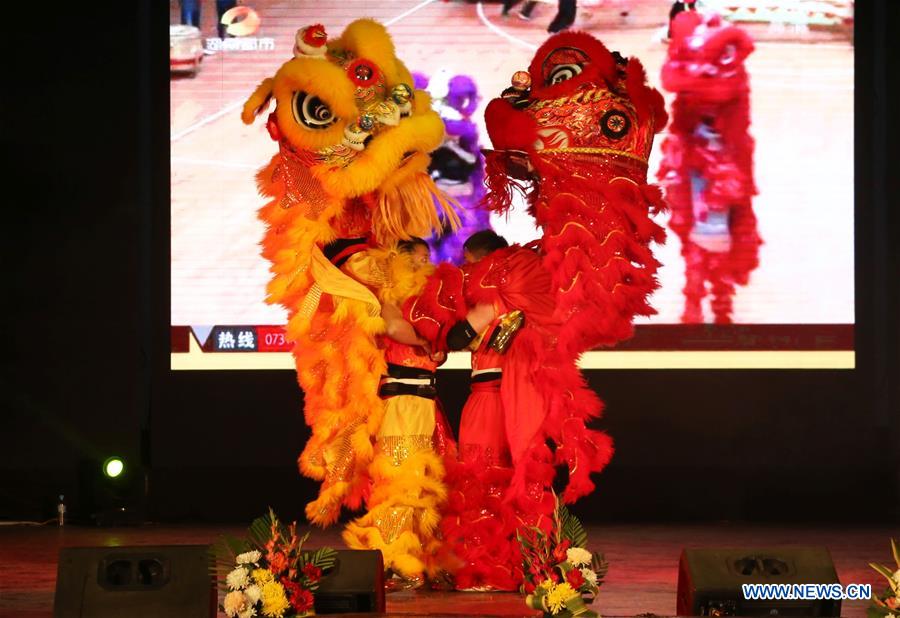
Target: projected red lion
707,165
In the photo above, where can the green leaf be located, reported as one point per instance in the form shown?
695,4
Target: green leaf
221,558
600,566
324,558
883,570
874,611
896,552
571,528
260,530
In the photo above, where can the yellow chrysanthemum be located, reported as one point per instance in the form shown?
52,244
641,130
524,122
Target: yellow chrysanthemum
556,598
262,576
274,600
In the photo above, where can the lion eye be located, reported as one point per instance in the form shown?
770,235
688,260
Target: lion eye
312,112
563,72
729,54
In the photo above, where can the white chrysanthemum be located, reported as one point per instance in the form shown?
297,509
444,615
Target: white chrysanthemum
250,557
237,579
890,616
253,593
578,556
250,612
237,605
589,576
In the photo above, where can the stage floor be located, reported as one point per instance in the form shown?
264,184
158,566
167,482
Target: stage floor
642,576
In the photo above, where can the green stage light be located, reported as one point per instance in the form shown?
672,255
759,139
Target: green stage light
113,467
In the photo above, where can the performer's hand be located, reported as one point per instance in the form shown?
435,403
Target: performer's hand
439,357
426,348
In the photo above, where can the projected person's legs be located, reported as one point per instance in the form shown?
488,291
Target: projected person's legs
722,297
695,283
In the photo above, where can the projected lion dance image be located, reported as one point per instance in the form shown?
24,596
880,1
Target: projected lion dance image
349,182
707,165
572,135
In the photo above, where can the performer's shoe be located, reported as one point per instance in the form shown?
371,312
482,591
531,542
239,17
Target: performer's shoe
397,582
442,582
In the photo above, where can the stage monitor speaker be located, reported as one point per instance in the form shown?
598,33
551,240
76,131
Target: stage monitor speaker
709,581
137,581
354,585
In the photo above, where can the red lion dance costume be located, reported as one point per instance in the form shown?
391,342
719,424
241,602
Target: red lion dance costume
707,165
573,134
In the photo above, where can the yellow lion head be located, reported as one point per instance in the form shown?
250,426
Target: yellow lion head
348,120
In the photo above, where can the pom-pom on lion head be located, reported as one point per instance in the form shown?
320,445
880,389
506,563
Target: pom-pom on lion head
350,125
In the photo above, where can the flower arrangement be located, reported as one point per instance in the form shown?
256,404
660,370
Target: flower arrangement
561,576
269,574
887,605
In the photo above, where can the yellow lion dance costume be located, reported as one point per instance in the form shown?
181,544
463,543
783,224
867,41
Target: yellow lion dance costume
350,180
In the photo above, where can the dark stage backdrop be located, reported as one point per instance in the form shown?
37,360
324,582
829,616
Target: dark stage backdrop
85,373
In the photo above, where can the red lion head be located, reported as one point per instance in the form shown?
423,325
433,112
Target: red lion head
578,94
706,59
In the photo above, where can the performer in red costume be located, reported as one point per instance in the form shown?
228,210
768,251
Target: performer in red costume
707,162
501,414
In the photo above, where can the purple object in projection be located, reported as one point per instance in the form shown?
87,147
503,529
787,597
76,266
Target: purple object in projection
458,165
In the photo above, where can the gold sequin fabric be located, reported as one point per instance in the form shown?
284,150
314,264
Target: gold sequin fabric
399,448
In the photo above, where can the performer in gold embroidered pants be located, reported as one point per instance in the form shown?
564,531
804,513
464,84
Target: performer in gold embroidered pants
407,471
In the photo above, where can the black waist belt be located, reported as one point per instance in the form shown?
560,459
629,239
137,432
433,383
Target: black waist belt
488,376
392,389
421,382
339,251
415,373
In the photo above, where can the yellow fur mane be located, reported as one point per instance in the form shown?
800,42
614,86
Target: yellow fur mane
316,185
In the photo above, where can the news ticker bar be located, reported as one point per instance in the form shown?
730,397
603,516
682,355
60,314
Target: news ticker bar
650,338
653,347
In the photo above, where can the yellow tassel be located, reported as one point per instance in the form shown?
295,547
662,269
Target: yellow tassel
407,210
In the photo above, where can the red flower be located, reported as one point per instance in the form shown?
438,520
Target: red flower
529,587
302,601
559,554
892,602
291,588
278,563
575,578
312,572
